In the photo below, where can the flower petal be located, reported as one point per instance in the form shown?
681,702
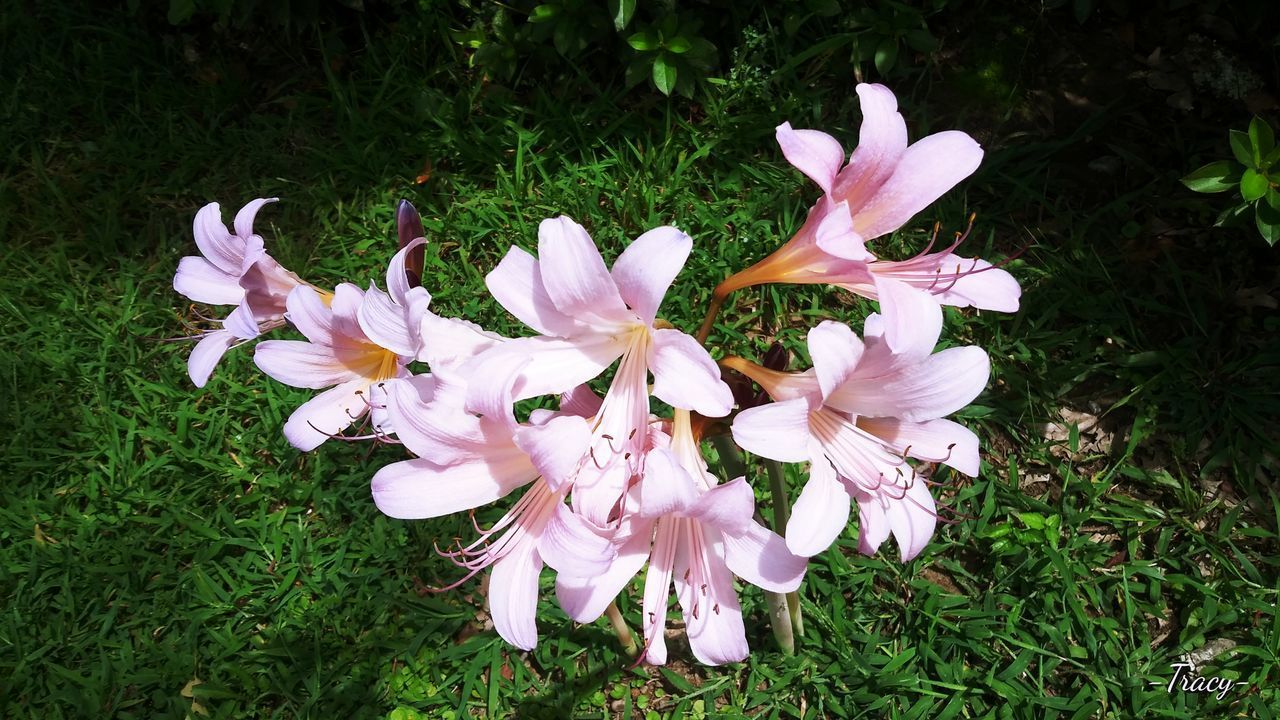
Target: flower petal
881,141
243,222
974,282
712,615
513,596
302,364
202,281
438,429
224,250
935,387
386,323
326,414
666,487
517,285
398,286
451,342
727,507
556,448
575,546
240,322
836,236
912,317
308,313
657,590
812,152
835,350
912,519
940,440
538,366
685,376
645,270
761,557
345,305
419,488
820,513
574,273
585,598
873,525
929,168
779,431
581,401
206,354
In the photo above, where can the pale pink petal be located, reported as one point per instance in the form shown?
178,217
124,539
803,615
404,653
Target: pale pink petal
386,323
556,447
657,590
397,278
873,525
761,557
575,546
326,414
301,364
574,273
441,431
308,313
685,376
727,507
912,317
419,488
267,286
452,342
881,141
712,615
812,152
835,350
973,282
926,170
820,513
206,354
912,519
240,322
243,222
666,487
779,431
581,401
201,281
647,267
935,387
585,598
513,596
836,236
345,305
224,250
941,441
517,285
538,366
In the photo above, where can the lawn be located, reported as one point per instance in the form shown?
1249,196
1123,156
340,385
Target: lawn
166,553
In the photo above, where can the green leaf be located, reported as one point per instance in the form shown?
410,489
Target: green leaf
1262,139
544,13
1232,217
1253,185
886,55
181,11
922,41
678,45
644,41
622,11
1215,177
1034,521
1267,216
664,74
1242,148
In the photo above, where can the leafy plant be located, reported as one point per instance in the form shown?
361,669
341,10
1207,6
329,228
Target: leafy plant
1253,172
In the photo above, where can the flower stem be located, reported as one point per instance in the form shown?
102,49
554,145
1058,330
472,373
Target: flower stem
717,301
620,628
781,514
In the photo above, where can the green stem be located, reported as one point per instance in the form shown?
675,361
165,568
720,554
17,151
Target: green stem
620,628
781,514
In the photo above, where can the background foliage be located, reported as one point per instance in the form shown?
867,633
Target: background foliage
166,553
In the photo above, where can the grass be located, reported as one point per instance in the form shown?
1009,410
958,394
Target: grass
167,554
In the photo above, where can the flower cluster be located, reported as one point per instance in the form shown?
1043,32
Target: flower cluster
606,488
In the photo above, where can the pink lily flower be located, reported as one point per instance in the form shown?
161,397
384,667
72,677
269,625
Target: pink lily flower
697,534
883,185
465,461
856,417
588,318
232,269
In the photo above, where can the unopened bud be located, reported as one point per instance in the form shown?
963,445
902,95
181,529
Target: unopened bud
409,228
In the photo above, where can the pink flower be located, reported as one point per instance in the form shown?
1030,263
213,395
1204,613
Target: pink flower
883,185
697,534
465,461
232,269
856,417
588,318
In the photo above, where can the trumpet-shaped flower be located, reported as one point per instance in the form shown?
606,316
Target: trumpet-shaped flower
856,417
588,318
232,269
696,534
884,184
